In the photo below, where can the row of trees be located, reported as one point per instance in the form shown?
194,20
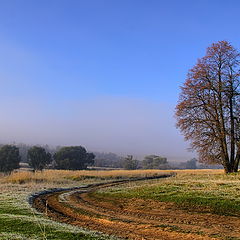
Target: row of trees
77,158
71,158
112,160
149,162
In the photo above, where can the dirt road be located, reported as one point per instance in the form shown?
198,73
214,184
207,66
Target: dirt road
134,218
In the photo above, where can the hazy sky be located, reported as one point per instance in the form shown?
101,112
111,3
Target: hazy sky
103,74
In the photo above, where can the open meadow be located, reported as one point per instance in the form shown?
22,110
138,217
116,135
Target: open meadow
112,113
189,204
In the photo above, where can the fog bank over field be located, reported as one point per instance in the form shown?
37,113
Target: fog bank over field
111,124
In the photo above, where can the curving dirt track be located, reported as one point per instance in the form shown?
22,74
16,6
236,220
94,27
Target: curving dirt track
133,218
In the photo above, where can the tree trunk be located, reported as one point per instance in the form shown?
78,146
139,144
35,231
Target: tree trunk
231,168
237,159
226,166
232,132
235,168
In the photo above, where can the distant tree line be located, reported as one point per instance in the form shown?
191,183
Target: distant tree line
77,158
112,160
149,162
102,160
38,158
190,164
154,162
109,160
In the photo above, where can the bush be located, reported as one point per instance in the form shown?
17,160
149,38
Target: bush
73,158
38,158
9,158
129,163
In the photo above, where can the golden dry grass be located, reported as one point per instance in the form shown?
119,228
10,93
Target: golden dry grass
64,176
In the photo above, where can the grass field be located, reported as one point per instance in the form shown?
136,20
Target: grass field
19,221
194,190
69,177
200,190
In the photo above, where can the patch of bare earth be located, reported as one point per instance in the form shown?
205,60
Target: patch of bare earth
135,218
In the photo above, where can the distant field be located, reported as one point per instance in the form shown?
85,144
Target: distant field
68,177
194,191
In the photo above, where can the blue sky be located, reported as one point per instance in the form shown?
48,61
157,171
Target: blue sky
97,73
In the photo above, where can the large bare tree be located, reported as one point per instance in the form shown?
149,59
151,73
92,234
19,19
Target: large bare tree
208,111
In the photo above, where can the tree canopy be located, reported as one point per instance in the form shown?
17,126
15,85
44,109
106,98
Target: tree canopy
9,158
130,163
153,162
208,111
73,158
38,158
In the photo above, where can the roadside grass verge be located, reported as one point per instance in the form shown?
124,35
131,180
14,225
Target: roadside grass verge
198,191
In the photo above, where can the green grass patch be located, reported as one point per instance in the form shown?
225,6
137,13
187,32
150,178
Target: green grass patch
6,209
217,194
18,221
36,229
